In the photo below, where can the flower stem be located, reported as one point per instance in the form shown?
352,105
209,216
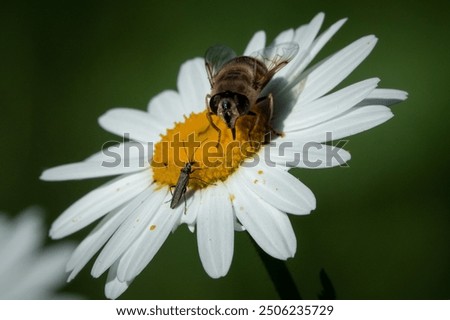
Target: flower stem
280,275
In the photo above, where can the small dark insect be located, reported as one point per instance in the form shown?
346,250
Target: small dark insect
237,82
182,183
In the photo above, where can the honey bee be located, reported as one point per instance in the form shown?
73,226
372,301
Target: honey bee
237,82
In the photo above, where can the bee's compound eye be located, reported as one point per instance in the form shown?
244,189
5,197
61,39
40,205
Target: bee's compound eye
214,103
242,103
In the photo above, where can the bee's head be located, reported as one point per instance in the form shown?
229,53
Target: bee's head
229,106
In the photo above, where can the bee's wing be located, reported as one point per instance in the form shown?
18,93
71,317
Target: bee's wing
215,58
276,57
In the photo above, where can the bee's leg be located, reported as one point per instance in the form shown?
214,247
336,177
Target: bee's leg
253,142
208,115
263,110
269,113
276,132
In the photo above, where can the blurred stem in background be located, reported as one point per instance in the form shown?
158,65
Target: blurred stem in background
279,274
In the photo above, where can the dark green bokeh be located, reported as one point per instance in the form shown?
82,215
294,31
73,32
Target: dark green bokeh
380,230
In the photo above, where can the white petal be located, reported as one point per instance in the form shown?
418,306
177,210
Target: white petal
319,42
215,233
311,155
330,72
304,37
385,97
100,201
355,121
130,230
5,230
277,187
131,123
309,47
268,226
41,273
114,288
328,107
292,83
124,150
27,271
139,255
92,169
166,108
119,158
285,36
22,237
257,42
97,238
193,85
190,216
238,226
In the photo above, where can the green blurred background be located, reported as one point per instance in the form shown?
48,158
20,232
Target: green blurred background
381,228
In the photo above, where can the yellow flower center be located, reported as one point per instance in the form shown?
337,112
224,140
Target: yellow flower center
195,142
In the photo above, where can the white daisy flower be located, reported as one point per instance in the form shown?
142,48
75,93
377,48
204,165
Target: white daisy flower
246,188
26,270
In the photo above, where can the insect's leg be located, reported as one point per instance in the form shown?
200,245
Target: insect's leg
253,142
170,189
185,205
276,132
208,115
260,111
264,110
215,128
206,183
272,130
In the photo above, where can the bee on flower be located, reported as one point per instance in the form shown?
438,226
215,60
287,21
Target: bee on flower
238,177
